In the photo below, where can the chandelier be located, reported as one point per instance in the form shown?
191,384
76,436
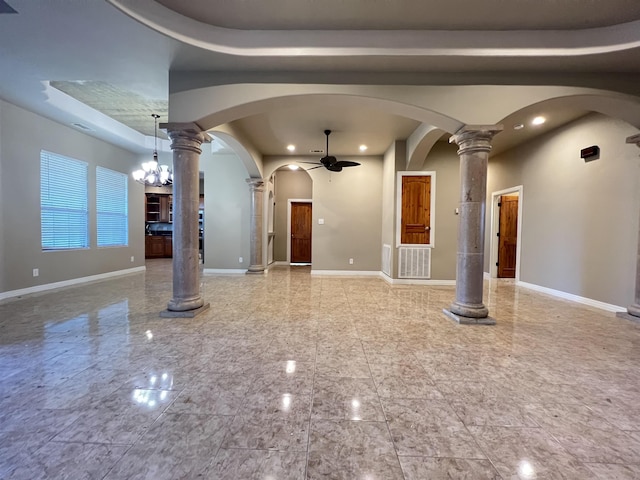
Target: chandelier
152,173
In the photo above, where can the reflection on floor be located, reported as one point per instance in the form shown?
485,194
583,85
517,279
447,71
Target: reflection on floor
289,376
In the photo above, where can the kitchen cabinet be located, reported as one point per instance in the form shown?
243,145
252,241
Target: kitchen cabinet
158,246
158,207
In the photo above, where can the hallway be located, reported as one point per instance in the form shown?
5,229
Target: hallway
293,376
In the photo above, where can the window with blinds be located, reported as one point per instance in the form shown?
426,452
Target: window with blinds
112,208
63,202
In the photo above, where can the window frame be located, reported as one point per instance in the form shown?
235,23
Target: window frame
101,213
53,183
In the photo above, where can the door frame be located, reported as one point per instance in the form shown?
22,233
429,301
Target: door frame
495,228
432,208
289,202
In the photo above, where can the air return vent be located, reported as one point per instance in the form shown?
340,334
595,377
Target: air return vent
415,262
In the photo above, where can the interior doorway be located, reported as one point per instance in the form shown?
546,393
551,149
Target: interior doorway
506,228
300,213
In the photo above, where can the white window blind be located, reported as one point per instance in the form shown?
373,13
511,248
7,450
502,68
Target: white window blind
63,202
112,208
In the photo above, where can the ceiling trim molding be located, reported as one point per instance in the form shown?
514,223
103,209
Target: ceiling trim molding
338,43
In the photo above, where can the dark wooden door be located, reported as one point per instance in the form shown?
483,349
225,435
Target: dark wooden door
300,232
508,234
415,225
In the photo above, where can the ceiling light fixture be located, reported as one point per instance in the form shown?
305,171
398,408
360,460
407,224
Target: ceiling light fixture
538,121
291,148
293,167
152,173
518,126
363,148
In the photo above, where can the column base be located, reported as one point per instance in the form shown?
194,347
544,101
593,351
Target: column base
185,313
632,313
258,269
185,304
469,310
461,319
634,310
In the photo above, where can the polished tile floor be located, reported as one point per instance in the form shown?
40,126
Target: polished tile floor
290,376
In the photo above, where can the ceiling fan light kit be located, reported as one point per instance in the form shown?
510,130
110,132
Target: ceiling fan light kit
330,162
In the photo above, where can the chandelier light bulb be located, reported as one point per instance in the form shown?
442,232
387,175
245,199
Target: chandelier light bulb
152,173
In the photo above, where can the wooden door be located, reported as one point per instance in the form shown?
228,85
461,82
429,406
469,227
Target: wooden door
300,232
508,236
415,225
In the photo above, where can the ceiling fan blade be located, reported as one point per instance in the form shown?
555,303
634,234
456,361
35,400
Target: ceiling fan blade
312,163
313,168
334,168
328,160
345,163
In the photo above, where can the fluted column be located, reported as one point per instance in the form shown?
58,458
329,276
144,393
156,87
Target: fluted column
186,139
256,185
475,145
633,311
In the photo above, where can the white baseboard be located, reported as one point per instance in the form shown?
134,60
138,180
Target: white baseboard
416,281
224,271
346,273
428,283
385,277
68,283
486,276
574,298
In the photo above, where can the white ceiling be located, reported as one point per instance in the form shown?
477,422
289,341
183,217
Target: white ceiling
115,63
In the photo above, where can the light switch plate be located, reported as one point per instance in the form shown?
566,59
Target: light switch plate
321,221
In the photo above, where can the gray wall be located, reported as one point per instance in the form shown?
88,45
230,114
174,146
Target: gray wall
226,211
22,136
350,202
444,160
2,230
580,219
288,184
392,159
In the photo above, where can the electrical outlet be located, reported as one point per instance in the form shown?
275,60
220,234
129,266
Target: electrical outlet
132,258
351,261
36,272
240,260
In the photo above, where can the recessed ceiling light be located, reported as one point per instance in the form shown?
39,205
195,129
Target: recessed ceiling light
291,148
293,167
518,126
363,148
538,121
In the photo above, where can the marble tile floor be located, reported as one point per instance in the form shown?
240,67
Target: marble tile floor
293,376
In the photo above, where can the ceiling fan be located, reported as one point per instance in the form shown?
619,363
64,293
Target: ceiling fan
330,162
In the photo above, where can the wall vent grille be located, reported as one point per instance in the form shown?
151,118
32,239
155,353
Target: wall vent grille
415,262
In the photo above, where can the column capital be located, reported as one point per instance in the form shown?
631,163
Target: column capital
185,136
475,138
255,184
634,139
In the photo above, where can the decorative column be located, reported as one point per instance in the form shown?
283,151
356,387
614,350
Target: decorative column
475,145
256,185
187,300
633,311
